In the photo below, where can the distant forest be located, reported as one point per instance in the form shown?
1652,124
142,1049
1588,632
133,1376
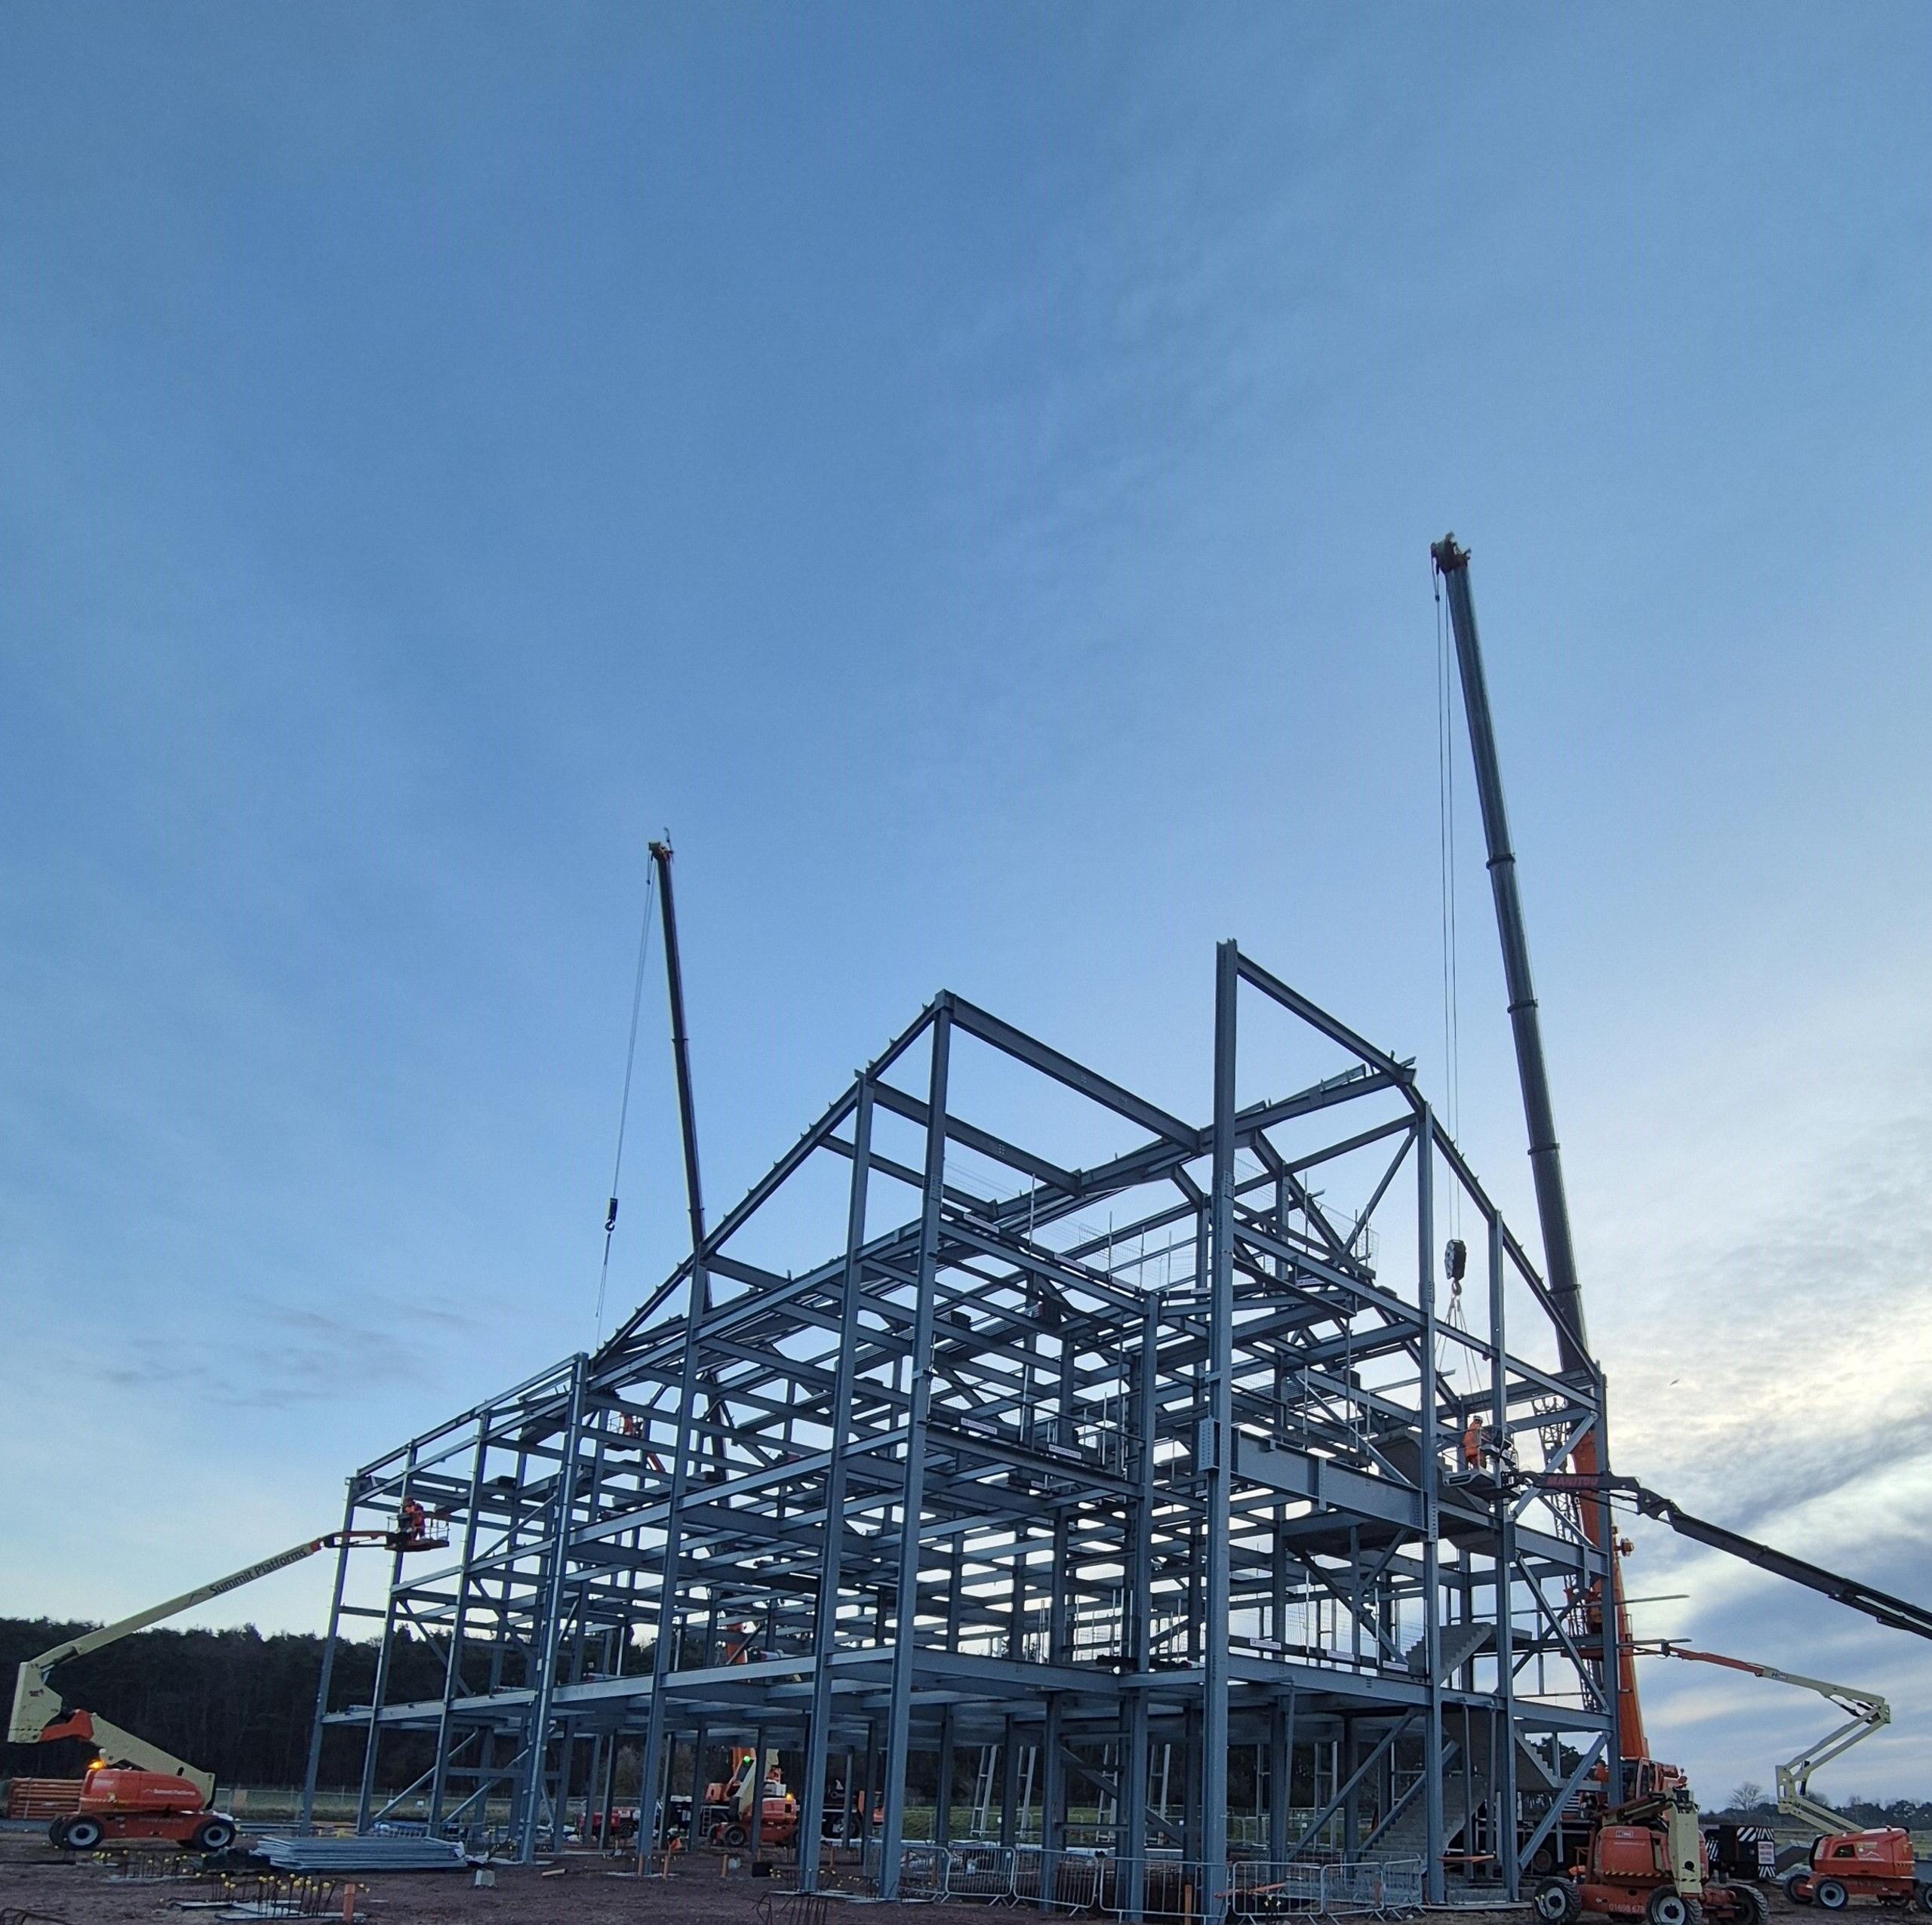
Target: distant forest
233,1703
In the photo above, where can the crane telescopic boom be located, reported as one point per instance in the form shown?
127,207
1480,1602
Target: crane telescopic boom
1452,564
1899,1612
1559,1255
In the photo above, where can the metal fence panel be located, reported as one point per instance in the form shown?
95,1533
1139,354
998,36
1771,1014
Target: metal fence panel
1378,1886
1076,1879
1256,1887
1162,1891
980,1872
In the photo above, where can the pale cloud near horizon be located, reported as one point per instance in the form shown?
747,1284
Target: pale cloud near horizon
1764,1326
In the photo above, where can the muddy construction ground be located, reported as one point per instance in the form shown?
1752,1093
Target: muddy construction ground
579,1889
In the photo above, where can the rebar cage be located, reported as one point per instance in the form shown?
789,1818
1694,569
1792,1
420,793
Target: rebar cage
1131,1473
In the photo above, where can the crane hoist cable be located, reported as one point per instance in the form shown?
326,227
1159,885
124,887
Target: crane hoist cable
624,1106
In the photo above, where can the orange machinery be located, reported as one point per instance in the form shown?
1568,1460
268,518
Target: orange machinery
117,1803
726,1817
135,1789
1646,1859
1876,1865
1844,1863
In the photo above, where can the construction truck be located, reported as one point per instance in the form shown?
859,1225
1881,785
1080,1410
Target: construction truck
135,1789
726,1817
1842,1862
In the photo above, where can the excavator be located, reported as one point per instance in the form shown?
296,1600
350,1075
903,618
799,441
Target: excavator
1843,1863
1645,1855
134,1789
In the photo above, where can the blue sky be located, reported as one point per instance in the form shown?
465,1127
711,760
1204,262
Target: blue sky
970,474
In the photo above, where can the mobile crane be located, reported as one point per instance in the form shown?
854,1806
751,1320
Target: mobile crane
1645,1854
135,1789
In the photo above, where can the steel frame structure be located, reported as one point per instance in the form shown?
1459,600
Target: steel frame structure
1123,1461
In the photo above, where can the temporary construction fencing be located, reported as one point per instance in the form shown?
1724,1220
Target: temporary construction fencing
1156,1888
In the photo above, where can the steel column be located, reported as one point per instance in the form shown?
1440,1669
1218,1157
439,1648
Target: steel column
1217,1447
905,1643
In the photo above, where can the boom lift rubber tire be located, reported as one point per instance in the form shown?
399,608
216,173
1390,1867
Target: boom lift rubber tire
1797,1884
1921,1897
82,1834
55,1829
735,1835
1557,1902
1830,1893
1667,1905
1753,1908
213,1834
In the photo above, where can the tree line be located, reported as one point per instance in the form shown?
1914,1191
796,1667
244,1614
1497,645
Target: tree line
233,1703
1751,1803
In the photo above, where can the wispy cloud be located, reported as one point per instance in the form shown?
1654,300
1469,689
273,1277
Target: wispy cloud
285,1355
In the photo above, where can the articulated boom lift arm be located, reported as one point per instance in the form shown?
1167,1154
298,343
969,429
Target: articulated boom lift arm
39,1716
1865,1711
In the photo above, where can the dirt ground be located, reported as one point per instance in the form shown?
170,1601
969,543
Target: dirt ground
36,1879
59,1886
62,1887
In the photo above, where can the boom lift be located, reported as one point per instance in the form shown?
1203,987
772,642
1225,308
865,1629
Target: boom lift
1843,1863
135,1789
1899,1612
1864,1712
730,1803
727,1819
